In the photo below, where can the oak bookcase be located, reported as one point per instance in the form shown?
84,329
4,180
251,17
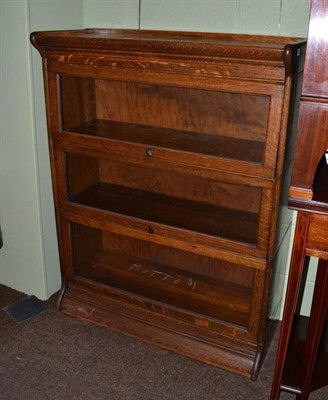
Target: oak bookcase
167,154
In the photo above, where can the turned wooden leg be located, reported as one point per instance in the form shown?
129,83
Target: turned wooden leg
315,327
295,274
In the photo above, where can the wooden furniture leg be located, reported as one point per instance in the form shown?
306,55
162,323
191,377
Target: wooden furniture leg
315,327
295,274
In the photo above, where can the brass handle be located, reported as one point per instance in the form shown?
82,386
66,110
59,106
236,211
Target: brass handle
150,152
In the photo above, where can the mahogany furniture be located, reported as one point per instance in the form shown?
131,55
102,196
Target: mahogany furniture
302,359
167,154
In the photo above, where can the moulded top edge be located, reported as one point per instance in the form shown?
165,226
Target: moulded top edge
219,44
154,35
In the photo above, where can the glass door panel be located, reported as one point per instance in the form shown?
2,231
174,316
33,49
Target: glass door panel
201,285
197,204
212,123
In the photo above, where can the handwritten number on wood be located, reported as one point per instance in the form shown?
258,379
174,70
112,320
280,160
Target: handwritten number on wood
139,268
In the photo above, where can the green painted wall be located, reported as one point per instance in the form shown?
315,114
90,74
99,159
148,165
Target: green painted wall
276,17
21,258
29,257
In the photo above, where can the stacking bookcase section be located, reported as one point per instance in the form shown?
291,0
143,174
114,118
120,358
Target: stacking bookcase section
221,128
178,200
167,153
212,123
167,281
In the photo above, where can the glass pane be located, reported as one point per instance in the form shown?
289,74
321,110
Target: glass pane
202,285
219,124
320,183
202,205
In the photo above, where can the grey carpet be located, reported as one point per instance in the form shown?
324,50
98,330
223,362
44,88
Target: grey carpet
53,356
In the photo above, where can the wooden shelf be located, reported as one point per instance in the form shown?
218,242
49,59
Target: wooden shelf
194,142
170,286
185,214
293,368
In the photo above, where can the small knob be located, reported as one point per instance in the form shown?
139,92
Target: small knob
149,152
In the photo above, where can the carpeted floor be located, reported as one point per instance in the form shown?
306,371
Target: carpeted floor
53,356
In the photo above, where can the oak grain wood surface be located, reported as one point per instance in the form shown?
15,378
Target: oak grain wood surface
167,153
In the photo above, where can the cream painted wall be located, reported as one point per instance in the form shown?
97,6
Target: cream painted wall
29,258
